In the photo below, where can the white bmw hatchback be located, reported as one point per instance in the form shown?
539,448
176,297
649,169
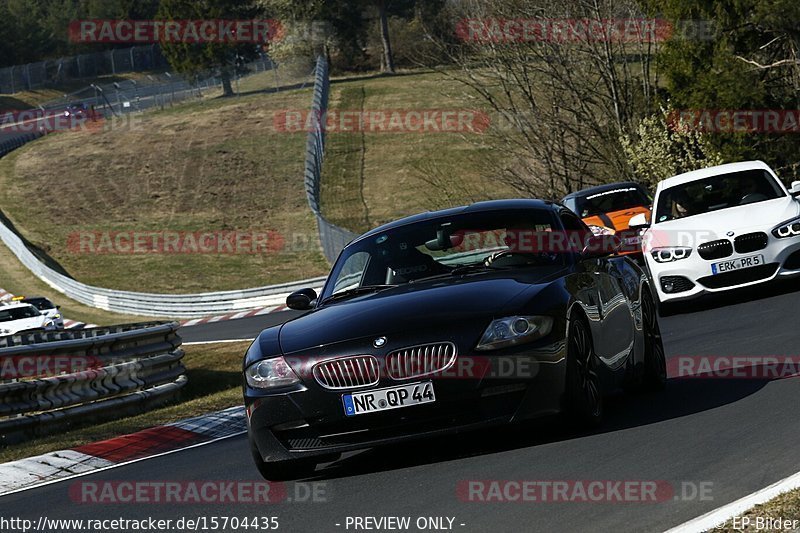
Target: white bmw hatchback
721,228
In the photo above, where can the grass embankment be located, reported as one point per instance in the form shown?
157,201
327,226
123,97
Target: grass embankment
371,178
779,513
220,164
214,372
209,166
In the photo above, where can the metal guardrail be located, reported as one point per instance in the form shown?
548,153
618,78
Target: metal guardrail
332,237
111,371
185,305
153,304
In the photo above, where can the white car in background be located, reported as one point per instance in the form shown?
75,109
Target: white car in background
721,228
45,307
19,317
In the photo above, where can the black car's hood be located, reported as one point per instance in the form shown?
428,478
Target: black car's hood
416,306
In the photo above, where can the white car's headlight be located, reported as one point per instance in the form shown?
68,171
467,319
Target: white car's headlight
671,253
790,228
270,373
514,330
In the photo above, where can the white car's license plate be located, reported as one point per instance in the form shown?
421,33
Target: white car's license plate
372,401
737,264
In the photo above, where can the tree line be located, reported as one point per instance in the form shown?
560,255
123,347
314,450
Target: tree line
582,111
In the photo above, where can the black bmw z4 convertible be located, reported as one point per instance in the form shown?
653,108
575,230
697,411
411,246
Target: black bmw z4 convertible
447,321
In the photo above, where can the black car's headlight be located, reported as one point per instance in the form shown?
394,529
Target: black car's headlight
514,330
671,253
790,228
270,373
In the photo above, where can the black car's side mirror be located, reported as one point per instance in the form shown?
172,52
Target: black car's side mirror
601,246
301,300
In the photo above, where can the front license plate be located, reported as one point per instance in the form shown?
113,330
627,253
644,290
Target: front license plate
361,403
737,264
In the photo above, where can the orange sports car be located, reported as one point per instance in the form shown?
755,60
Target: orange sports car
607,209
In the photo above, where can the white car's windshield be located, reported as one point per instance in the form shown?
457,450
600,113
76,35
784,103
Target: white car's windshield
715,193
17,313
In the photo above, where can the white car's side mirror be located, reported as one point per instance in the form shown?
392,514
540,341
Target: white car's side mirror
639,222
795,190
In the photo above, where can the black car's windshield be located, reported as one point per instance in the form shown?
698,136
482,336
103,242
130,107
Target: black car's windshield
715,193
41,304
608,201
459,244
17,313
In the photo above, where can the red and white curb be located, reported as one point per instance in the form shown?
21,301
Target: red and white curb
25,474
234,316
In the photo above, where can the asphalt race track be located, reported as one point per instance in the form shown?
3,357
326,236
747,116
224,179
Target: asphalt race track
733,435
244,328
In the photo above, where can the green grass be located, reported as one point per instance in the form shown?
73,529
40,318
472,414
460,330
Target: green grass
210,165
372,178
218,164
214,372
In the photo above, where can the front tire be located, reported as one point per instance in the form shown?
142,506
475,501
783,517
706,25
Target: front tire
655,362
584,399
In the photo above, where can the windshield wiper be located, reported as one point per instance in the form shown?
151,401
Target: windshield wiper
364,289
462,269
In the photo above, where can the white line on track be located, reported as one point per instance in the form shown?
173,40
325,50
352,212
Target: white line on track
718,516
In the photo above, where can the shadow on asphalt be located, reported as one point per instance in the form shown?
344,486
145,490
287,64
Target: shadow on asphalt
682,397
734,297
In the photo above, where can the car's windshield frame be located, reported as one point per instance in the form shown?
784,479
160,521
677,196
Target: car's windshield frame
668,208
11,311
577,202
367,243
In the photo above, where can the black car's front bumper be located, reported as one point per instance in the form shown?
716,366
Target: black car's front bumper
310,420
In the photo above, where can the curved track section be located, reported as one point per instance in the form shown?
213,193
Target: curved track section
733,435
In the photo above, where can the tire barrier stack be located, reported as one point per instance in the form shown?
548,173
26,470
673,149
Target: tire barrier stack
332,237
50,381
